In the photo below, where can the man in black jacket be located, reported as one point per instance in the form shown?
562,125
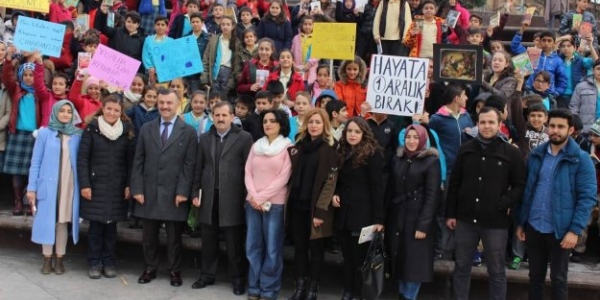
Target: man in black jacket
488,179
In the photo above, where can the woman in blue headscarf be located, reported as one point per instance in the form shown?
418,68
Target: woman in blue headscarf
25,117
53,192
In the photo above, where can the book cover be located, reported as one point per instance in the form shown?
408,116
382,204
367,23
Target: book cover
83,22
528,14
534,54
83,60
110,19
495,20
577,18
315,5
585,29
261,77
522,64
452,18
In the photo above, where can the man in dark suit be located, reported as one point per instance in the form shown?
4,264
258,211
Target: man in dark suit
161,182
222,155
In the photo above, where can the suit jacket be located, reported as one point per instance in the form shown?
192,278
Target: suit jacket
160,173
232,188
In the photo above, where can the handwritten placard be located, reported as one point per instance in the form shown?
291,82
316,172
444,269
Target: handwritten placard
31,5
178,58
33,34
334,40
113,67
397,84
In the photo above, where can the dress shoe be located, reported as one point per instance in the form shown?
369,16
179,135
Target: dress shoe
202,283
176,279
147,276
239,288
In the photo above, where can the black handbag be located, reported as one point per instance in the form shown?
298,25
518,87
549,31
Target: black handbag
374,269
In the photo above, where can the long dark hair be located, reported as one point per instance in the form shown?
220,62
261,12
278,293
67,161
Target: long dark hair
233,38
277,19
367,146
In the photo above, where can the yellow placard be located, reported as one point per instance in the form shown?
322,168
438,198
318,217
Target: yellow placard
334,40
30,5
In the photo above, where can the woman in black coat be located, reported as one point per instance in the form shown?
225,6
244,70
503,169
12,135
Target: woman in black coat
358,198
412,195
103,166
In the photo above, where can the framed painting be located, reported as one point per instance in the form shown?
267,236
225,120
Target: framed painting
458,63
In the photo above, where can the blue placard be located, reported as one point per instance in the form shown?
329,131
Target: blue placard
177,58
33,34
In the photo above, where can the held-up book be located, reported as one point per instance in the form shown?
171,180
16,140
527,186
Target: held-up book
585,29
495,20
261,77
366,234
83,22
534,56
452,18
577,18
528,14
110,19
315,5
83,60
522,64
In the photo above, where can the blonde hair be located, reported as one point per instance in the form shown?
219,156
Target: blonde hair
327,135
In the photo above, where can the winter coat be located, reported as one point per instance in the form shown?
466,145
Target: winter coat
176,28
323,187
451,132
295,85
121,40
104,166
485,183
5,107
84,104
583,102
232,189
353,94
412,200
300,61
64,62
58,13
212,51
344,17
243,56
46,98
566,23
365,23
573,189
361,194
44,179
160,173
280,33
140,116
147,9
248,76
414,42
16,93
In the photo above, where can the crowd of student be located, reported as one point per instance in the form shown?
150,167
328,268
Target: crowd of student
268,143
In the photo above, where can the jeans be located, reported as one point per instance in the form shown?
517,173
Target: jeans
544,247
519,247
219,83
264,249
410,290
102,243
467,237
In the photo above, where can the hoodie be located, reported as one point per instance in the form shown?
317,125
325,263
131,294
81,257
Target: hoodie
316,102
451,132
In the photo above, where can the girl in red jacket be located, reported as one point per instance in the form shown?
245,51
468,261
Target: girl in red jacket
292,81
349,88
45,97
251,81
88,103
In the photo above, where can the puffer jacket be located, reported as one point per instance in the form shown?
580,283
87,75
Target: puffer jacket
583,102
351,92
104,166
365,23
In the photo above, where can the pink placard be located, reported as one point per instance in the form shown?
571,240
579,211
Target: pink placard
113,67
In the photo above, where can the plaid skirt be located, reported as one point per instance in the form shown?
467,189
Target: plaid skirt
147,22
19,149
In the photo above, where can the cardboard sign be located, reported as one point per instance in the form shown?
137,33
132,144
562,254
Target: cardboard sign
42,6
177,58
397,84
333,40
113,67
33,34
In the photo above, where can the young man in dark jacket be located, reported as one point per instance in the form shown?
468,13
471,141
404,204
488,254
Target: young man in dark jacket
558,200
129,39
487,180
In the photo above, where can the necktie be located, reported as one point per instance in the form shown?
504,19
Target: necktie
165,133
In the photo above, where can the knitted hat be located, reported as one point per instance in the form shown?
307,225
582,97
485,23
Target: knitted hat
496,102
595,129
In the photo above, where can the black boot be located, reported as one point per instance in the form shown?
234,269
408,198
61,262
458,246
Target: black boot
18,194
313,290
300,293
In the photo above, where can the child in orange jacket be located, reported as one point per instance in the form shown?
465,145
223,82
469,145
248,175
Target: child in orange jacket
350,88
423,27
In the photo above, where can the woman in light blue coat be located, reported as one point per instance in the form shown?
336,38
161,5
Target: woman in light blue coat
53,191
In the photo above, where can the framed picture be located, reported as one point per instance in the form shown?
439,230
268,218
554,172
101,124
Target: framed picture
458,63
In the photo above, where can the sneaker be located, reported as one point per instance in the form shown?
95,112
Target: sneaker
477,259
95,272
109,271
515,264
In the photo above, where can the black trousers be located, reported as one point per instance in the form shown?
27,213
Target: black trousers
365,47
300,225
102,242
391,47
543,248
151,243
234,241
354,256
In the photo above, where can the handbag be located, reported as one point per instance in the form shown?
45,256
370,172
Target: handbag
373,269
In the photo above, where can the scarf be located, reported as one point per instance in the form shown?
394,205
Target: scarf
423,138
262,146
485,142
112,132
22,69
131,96
308,147
349,11
64,128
